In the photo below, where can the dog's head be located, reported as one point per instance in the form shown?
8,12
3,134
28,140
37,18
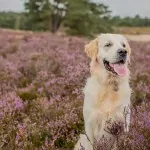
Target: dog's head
112,52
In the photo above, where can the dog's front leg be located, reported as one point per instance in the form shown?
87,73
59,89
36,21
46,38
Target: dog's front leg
93,124
123,115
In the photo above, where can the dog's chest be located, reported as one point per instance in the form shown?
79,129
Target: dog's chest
107,99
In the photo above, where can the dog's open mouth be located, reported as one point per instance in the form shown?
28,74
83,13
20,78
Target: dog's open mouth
118,68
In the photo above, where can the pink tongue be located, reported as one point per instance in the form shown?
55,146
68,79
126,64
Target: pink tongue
120,69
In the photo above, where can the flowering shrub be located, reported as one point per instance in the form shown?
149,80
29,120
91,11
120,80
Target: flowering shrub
42,76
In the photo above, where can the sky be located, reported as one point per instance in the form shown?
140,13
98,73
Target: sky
118,7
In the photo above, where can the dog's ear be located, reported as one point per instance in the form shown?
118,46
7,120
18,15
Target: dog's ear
92,48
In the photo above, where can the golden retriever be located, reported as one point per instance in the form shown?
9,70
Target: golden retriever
107,91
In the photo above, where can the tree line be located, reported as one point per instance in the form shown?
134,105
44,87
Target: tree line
75,17
135,21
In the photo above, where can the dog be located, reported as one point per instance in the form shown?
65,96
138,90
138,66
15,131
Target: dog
107,91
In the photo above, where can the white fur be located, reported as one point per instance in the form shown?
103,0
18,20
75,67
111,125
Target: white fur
95,110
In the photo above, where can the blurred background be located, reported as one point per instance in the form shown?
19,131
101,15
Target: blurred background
76,17
43,69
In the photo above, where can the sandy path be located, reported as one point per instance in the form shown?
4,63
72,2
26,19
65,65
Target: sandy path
142,37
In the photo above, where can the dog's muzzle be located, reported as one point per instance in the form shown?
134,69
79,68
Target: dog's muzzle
122,53
119,67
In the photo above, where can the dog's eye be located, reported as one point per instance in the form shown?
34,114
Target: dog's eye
108,45
123,45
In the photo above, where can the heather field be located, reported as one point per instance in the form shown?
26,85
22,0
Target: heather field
41,81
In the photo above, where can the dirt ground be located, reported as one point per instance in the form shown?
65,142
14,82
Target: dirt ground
141,37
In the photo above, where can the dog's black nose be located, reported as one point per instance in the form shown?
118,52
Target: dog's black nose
122,52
